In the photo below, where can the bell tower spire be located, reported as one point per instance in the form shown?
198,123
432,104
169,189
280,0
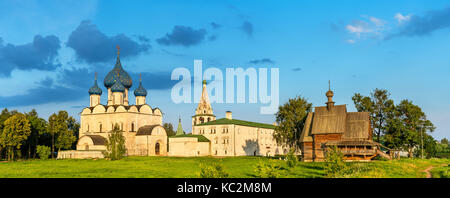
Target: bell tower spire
204,112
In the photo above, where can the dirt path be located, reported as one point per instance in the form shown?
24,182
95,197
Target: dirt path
427,171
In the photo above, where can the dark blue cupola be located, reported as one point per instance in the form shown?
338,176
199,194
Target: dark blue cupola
118,74
95,90
140,91
117,87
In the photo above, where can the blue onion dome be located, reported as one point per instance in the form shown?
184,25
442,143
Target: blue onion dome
95,90
118,74
140,91
117,87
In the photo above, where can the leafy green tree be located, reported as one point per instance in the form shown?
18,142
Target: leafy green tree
74,128
291,118
15,131
213,170
430,147
43,151
38,126
334,162
62,127
169,129
4,116
414,125
379,106
115,144
444,141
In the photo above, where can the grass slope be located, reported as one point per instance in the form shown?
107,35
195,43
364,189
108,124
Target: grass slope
177,167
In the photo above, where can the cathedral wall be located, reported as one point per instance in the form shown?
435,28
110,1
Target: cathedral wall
240,140
127,121
188,147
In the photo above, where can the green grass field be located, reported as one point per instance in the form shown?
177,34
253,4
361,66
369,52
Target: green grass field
174,167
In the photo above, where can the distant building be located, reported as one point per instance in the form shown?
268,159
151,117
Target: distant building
332,125
233,137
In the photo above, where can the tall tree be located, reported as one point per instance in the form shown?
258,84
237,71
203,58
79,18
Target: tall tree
62,128
115,144
38,126
15,131
291,118
379,106
415,125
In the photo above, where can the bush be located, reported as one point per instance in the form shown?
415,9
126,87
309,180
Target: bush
334,162
291,158
43,151
267,170
213,170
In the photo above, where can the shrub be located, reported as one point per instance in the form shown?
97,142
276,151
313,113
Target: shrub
43,151
291,158
213,170
267,170
334,162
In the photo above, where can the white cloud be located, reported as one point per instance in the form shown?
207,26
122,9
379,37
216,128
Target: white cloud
369,27
377,22
401,19
358,27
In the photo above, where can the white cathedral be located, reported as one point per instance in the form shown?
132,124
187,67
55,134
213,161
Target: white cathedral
145,136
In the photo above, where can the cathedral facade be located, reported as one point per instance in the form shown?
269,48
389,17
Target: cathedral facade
140,123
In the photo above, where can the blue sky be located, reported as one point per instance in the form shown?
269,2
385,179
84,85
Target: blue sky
49,50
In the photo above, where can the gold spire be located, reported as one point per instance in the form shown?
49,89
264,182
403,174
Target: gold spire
329,85
118,50
140,77
95,75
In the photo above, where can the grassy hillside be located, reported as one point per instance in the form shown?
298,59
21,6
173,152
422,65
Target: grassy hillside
173,167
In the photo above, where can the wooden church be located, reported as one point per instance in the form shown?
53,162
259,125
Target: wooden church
332,125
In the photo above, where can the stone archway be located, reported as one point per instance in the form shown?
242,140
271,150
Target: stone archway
157,148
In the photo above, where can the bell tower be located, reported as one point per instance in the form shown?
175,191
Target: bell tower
204,112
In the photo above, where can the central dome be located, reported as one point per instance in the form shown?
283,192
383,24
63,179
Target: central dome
118,74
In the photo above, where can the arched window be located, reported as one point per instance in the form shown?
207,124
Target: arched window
87,128
132,126
100,127
209,119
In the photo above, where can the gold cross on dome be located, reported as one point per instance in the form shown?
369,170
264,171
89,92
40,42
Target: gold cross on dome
118,50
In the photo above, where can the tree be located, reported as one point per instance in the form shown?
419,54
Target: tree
115,144
169,129
16,130
415,125
379,106
291,118
444,141
38,126
430,147
334,162
62,128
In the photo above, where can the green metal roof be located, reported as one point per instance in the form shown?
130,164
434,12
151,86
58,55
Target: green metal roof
224,121
200,138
